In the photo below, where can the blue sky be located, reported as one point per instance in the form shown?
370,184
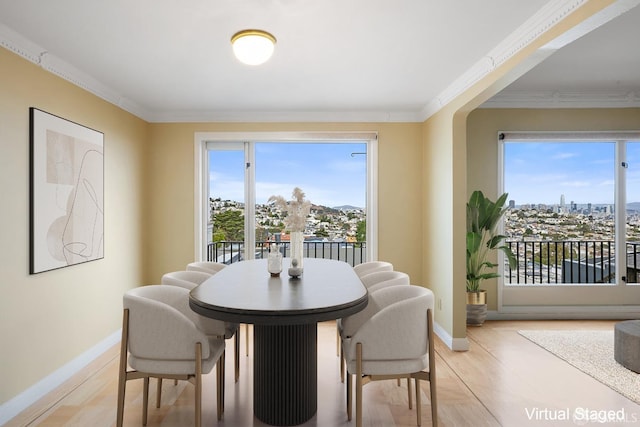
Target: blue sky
583,172
327,173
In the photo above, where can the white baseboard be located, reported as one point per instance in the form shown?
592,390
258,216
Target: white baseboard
19,403
455,344
565,313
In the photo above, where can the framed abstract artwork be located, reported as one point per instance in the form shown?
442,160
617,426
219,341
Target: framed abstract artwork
66,193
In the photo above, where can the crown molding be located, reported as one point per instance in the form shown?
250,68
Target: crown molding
552,13
30,51
564,99
543,20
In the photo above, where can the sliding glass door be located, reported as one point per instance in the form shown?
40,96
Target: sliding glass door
242,175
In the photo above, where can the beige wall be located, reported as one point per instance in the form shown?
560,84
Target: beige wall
444,211
50,318
171,202
482,143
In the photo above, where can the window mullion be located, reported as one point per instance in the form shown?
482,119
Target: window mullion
621,212
249,200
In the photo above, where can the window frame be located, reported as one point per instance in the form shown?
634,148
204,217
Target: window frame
571,300
201,171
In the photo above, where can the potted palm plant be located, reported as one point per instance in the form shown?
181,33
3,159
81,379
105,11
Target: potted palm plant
483,217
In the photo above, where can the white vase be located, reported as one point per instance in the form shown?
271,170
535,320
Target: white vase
297,247
274,261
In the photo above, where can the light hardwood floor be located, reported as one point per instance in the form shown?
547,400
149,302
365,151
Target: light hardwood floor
501,381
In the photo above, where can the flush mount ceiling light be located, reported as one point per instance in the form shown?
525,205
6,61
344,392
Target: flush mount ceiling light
253,47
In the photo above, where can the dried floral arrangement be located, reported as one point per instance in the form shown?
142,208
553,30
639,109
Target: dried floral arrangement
297,209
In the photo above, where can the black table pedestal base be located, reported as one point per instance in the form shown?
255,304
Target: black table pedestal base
285,365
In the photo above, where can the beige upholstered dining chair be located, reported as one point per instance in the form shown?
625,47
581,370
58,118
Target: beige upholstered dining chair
373,281
185,279
163,338
189,280
210,267
391,338
384,278
371,266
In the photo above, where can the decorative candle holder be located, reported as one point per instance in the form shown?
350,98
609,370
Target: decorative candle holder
294,270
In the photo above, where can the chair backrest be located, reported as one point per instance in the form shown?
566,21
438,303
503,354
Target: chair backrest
371,266
189,280
185,279
400,309
206,266
382,279
160,325
404,308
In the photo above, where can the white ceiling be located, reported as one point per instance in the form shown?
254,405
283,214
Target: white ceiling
338,60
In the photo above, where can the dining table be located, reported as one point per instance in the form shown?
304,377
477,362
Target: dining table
284,312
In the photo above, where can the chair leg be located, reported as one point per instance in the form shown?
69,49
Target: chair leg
434,405
349,397
342,363
198,403
409,392
237,355
159,392
418,403
432,369
434,401
145,400
219,388
220,374
246,333
122,373
359,385
224,388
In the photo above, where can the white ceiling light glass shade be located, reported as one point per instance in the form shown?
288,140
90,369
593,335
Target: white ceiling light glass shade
253,47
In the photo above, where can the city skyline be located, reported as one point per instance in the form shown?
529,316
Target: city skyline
330,174
334,174
540,173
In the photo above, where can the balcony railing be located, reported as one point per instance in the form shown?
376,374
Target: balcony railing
537,262
228,252
569,262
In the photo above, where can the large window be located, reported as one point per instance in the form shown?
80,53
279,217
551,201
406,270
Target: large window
239,172
573,221
561,222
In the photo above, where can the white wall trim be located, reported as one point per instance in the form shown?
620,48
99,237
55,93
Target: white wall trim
19,403
564,99
455,344
605,312
35,53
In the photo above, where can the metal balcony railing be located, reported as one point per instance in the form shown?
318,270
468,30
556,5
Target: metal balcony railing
537,262
228,252
569,262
